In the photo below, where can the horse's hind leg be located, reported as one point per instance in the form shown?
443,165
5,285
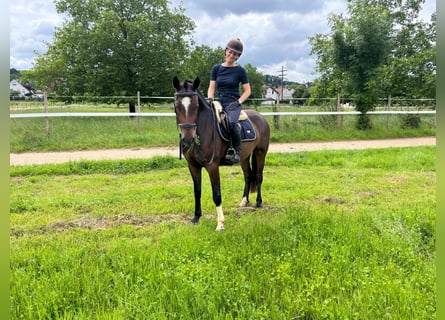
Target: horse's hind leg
258,161
247,172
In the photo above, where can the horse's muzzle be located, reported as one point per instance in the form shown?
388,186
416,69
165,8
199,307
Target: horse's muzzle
188,133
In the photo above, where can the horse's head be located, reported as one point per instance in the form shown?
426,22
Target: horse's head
186,109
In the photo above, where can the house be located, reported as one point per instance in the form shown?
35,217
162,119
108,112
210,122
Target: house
282,92
16,86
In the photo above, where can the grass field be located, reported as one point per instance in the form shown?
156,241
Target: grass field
342,235
77,133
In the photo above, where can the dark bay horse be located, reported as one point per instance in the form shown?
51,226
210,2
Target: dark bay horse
203,147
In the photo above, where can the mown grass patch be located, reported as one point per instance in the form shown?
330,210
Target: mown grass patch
343,234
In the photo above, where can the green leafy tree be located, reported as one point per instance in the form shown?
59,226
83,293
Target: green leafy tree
14,74
200,64
378,48
256,80
360,48
301,93
272,81
115,47
411,71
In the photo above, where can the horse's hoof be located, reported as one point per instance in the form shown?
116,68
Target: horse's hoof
220,229
243,203
195,221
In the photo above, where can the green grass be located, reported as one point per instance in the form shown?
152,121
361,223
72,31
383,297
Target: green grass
77,133
342,235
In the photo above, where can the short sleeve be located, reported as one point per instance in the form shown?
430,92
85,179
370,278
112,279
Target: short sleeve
243,76
214,72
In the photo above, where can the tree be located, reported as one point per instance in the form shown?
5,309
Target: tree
14,74
200,64
255,80
360,49
272,81
379,48
411,71
301,92
115,47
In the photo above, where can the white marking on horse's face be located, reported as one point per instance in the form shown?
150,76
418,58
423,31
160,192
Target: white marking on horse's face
186,103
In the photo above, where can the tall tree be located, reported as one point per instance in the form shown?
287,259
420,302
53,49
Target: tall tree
115,47
256,80
379,47
200,63
360,48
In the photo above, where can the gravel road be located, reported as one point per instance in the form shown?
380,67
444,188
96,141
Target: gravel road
18,159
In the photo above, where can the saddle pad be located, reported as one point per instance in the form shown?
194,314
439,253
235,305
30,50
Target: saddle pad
248,132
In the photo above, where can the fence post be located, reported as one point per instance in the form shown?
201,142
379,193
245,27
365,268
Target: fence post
338,110
45,103
276,118
276,108
139,112
388,116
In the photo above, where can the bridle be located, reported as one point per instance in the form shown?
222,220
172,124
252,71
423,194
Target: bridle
189,126
186,126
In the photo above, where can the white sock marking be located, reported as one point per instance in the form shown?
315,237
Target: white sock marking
243,202
219,212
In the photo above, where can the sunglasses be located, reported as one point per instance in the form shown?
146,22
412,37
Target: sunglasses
233,53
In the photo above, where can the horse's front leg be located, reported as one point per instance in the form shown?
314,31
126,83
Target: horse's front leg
196,174
216,195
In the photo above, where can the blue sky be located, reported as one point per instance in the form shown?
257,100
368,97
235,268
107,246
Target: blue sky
275,33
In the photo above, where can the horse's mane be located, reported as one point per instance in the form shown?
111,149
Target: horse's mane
203,101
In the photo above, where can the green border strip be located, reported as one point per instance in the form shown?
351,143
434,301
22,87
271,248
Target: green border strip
4,165
440,142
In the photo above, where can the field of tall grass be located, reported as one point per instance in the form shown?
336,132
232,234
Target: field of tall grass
342,235
77,133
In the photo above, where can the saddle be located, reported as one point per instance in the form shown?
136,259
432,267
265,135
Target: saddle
247,130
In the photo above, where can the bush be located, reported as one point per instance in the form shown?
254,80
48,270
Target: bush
328,121
410,121
364,122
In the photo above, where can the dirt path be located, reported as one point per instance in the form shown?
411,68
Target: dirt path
18,159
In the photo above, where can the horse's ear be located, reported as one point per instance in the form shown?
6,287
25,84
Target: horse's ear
196,83
176,83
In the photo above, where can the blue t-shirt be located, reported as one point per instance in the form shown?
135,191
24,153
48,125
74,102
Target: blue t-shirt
228,79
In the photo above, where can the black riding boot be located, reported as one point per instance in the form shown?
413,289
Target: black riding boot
235,135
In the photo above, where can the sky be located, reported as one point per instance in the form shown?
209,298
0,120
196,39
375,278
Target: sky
274,32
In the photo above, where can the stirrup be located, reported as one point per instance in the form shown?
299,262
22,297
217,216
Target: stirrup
230,152
232,156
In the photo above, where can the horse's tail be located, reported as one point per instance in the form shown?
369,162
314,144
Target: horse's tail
253,187
253,179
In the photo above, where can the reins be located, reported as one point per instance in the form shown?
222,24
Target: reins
207,105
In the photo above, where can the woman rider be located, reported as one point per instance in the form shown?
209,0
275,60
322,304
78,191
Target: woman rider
226,77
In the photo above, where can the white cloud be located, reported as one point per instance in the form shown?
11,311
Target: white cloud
32,23
275,33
